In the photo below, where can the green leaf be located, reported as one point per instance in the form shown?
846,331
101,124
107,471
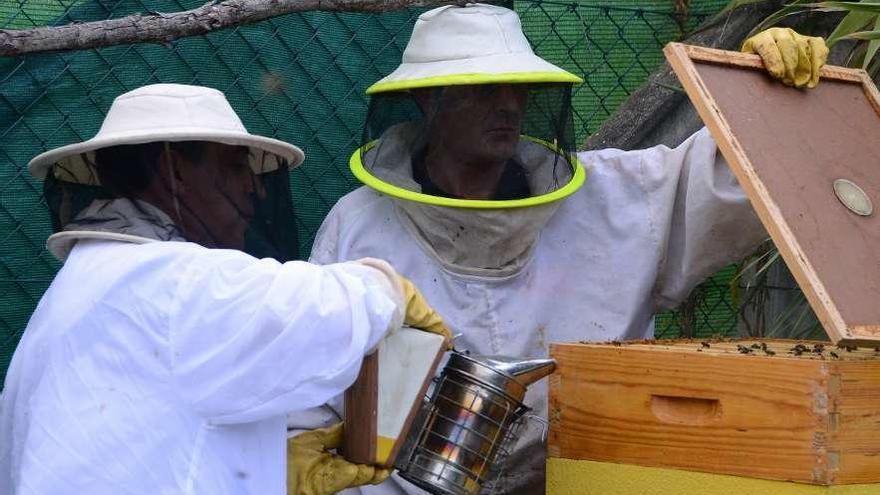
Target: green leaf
856,56
796,7
869,7
864,35
873,68
872,46
671,87
759,259
854,21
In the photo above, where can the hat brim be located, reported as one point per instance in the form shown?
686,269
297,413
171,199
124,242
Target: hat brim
39,166
509,68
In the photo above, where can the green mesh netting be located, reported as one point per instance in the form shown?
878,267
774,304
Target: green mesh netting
299,78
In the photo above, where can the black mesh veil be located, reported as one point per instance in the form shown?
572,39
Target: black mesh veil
443,141
259,216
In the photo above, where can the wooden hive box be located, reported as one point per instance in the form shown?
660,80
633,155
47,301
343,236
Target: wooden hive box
811,418
767,410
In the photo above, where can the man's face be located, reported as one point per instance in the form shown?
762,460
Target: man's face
478,122
216,195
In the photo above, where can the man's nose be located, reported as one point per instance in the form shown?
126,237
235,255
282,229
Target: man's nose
509,98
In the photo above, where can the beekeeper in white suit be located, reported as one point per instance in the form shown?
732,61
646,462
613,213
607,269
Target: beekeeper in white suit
471,192
163,359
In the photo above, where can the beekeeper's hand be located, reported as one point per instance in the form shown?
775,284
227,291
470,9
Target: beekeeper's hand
788,56
313,470
419,314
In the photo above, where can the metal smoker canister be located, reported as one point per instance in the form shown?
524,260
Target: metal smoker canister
470,422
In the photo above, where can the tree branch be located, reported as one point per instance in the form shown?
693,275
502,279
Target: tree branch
162,28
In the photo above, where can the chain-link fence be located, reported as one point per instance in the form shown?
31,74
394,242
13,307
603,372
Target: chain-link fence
300,78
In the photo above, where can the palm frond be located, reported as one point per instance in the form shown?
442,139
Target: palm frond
832,6
873,45
864,35
794,8
853,22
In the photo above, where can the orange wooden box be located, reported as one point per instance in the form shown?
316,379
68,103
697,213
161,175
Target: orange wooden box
810,418
786,414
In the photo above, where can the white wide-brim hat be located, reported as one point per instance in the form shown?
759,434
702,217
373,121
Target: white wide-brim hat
159,113
476,44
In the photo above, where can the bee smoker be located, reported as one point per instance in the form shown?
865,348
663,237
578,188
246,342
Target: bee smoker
468,423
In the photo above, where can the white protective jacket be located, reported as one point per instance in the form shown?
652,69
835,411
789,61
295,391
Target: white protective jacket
169,368
646,227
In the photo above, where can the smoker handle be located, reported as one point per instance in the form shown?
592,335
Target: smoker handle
545,425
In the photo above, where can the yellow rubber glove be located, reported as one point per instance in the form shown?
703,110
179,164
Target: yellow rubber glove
419,314
788,56
312,470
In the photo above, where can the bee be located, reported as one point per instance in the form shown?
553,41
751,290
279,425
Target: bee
706,345
834,355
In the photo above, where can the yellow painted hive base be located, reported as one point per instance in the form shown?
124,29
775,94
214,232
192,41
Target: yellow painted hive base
579,477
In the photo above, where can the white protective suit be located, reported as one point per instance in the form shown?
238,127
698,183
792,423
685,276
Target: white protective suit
646,227
168,368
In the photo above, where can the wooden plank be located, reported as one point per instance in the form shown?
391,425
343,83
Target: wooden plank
761,348
871,91
752,61
854,436
361,409
722,413
786,163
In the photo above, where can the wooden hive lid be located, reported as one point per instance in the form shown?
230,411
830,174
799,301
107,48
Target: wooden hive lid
787,148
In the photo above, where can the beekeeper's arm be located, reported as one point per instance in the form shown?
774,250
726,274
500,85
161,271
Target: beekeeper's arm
701,219
251,339
324,252
419,315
